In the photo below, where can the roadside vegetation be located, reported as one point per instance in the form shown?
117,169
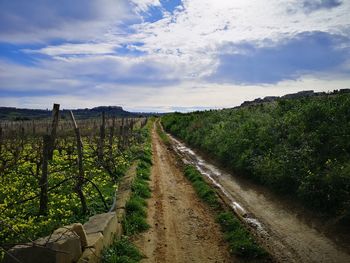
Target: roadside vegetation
298,147
123,250
162,134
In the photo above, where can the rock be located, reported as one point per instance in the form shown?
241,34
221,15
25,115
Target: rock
106,224
63,246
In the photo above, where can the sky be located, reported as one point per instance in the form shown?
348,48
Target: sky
169,55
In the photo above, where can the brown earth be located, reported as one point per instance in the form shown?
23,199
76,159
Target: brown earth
182,228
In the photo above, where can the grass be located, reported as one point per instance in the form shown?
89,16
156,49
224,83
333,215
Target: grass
204,191
135,219
162,134
122,250
240,241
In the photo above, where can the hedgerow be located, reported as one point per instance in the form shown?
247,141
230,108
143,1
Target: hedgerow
298,147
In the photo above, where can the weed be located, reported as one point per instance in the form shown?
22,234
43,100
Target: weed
162,134
122,251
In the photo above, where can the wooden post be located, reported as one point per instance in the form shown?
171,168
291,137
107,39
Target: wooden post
122,135
22,135
44,176
55,116
102,138
1,139
33,127
111,135
80,179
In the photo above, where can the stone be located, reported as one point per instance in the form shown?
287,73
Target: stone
105,223
63,246
89,256
95,240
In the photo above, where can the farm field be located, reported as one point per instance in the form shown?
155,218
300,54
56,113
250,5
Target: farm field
39,192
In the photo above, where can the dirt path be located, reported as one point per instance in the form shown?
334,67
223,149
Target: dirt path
182,229
286,231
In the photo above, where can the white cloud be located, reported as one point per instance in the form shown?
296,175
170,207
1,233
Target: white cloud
196,34
38,21
205,24
180,50
86,74
144,5
76,49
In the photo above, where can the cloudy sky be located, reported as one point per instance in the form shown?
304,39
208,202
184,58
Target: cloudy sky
164,55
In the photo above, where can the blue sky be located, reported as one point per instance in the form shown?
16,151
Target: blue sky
162,55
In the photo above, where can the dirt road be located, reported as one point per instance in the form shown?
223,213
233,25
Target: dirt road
182,228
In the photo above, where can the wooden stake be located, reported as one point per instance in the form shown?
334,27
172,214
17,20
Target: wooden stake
55,117
80,179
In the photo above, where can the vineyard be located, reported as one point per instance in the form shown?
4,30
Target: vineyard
299,147
57,171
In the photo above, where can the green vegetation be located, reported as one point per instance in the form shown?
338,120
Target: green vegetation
299,147
21,168
20,220
240,241
123,250
162,134
135,218
204,191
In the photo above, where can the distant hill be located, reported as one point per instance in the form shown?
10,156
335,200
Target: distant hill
11,113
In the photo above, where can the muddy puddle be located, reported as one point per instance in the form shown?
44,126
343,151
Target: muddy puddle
290,236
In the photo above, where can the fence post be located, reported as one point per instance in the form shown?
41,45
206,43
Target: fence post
102,138
111,135
80,179
44,176
0,139
55,116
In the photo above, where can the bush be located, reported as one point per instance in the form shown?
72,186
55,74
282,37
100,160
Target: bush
300,146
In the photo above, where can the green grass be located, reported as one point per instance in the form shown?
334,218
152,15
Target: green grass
204,191
136,208
162,134
240,241
140,188
122,251
135,219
